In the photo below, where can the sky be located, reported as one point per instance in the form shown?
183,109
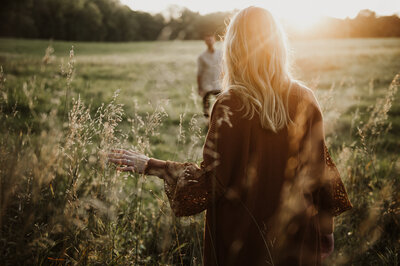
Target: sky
300,12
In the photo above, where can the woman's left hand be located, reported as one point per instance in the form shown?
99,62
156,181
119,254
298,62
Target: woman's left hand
128,160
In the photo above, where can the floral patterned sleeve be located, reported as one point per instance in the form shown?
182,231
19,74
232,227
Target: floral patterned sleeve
187,188
334,197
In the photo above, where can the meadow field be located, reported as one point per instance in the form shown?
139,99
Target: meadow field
63,105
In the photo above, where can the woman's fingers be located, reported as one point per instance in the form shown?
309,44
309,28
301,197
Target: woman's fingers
126,169
129,159
121,151
116,155
119,156
132,152
121,161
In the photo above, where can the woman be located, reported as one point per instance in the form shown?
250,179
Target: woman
267,181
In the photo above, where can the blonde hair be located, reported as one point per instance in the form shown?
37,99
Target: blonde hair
255,66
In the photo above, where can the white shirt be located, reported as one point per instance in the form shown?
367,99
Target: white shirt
209,70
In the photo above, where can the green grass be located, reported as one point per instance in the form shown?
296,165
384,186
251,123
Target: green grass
148,72
62,203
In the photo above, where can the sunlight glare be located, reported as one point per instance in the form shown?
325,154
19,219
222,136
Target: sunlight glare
300,15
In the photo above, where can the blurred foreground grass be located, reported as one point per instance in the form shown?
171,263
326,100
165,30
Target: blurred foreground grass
59,114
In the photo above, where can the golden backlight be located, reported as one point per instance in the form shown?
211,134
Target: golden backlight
299,14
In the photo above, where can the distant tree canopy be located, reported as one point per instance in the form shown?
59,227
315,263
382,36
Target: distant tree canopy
109,20
83,20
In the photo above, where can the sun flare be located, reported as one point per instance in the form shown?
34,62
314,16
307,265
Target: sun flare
300,15
301,23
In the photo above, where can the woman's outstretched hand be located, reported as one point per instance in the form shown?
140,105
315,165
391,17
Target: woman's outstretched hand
128,160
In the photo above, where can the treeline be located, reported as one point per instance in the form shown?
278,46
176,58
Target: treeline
83,20
100,20
109,20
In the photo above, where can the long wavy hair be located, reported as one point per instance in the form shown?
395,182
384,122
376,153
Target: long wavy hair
255,65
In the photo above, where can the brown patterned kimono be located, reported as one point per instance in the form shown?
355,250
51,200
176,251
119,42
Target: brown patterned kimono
264,192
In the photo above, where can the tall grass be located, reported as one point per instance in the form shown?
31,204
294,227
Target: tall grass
370,233
59,200
61,203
